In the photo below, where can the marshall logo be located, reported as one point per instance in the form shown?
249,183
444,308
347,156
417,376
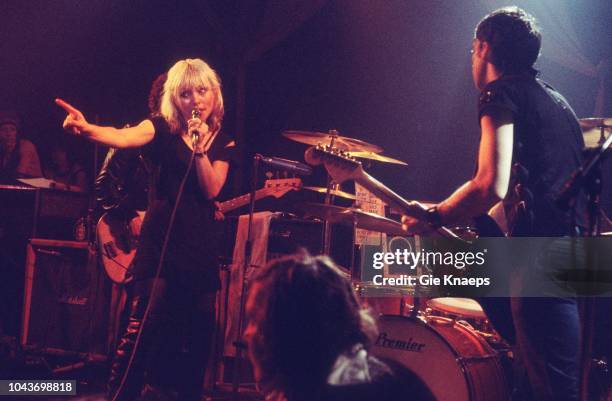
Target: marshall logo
386,342
73,300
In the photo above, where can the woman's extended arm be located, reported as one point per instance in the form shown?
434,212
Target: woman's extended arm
130,137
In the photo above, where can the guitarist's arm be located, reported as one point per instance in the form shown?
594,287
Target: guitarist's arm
489,185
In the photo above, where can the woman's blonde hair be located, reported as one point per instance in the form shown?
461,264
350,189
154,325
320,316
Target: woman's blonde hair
186,74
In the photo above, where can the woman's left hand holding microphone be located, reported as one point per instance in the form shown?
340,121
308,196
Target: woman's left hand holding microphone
202,142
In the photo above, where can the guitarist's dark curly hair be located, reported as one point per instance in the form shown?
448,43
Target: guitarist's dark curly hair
514,38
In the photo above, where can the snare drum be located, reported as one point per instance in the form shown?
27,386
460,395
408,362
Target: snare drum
384,300
454,361
461,309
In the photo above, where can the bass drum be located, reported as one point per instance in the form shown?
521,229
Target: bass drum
452,360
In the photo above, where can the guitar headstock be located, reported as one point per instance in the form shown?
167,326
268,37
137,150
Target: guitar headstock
340,165
279,187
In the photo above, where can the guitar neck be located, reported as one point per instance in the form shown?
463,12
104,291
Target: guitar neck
379,189
394,200
240,201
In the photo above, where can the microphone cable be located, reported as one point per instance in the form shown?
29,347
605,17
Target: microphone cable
158,271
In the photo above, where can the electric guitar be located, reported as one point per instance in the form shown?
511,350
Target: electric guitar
276,188
118,237
342,167
117,241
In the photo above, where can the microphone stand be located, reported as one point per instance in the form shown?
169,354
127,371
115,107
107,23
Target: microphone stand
239,343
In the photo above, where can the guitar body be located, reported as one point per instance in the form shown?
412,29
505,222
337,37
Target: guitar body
117,241
118,235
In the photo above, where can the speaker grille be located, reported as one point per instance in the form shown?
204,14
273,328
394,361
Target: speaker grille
66,298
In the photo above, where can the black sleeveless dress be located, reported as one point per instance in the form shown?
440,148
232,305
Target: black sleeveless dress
191,257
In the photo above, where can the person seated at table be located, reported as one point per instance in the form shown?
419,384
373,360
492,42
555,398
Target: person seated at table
18,156
64,169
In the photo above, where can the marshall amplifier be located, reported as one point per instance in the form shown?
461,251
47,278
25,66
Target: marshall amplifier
65,307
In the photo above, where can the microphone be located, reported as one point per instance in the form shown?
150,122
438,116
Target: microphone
195,134
284,164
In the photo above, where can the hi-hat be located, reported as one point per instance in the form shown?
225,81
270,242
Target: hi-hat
332,138
595,122
595,131
352,216
334,192
377,157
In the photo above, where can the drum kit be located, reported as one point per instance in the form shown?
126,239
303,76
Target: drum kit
449,343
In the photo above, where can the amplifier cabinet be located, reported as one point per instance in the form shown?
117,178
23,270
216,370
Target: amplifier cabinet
39,212
66,299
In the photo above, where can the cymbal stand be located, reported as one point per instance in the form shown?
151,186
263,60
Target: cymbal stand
328,200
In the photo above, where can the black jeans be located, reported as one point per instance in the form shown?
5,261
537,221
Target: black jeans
174,346
547,320
548,336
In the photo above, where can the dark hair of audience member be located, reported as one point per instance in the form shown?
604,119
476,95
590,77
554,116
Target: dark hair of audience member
306,315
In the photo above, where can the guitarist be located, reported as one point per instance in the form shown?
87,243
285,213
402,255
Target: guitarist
530,144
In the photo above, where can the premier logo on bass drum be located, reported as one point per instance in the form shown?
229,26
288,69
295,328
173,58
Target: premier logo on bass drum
385,341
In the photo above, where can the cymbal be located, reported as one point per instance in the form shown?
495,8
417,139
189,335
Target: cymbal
377,157
335,192
595,122
352,216
341,142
